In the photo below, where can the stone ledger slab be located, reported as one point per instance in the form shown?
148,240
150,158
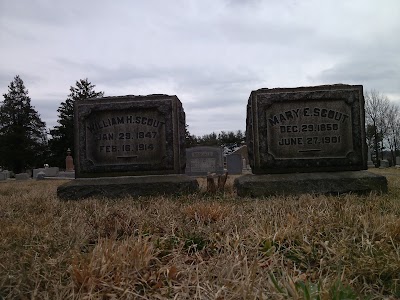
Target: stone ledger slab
115,187
358,182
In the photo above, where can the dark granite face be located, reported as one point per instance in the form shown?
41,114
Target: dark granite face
129,135
306,129
204,160
234,164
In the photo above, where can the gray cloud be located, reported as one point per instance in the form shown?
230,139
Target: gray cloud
209,53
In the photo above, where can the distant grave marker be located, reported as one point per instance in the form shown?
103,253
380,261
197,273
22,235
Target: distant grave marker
234,163
3,176
201,161
22,176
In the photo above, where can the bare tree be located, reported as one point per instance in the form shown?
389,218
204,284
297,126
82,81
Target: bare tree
377,107
393,132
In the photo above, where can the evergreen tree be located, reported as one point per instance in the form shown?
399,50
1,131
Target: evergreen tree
22,132
63,134
190,139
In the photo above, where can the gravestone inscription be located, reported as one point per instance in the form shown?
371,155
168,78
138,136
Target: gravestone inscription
311,130
203,160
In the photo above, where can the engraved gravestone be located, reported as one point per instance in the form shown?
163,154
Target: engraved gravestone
307,130
234,163
203,160
129,135
138,137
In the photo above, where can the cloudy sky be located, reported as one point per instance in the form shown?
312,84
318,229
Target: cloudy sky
210,53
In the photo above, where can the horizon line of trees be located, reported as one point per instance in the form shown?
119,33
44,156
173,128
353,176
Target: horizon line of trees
24,139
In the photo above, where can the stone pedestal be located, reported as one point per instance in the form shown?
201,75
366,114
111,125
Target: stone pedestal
117,187
358,182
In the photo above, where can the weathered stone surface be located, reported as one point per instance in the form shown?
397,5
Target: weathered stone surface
384,163
36,172
40,176
22,176
66,174
6,173
358,182
3,176
234,164
203,160
307,129
129,135
51,172
116,187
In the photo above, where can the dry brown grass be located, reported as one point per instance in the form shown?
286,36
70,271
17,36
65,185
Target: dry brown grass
199,246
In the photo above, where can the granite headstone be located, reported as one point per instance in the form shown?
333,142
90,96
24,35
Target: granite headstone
234,163
307,130
22,176
201,161
138,137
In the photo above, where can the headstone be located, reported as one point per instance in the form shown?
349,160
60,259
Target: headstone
397,160
51,171
384,163
6,174
234,164
242,150
370,163
22,176
40,176
137,136
2,176
69,162
307,130
36,172
201,161
66,174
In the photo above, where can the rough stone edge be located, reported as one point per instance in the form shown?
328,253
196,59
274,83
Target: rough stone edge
135,186
327,183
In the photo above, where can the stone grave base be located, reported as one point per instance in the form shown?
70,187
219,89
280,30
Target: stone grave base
357,182
115,187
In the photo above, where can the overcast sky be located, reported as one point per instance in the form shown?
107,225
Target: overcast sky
210,53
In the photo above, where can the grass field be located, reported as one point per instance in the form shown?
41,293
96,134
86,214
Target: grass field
199,246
